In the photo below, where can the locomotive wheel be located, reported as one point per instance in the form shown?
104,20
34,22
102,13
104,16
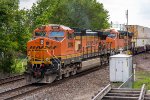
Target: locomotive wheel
67,74
59,77
74,72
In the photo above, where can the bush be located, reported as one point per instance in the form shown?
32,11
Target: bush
19,65
7,60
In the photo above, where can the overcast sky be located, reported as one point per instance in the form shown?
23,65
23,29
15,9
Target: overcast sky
138,10
26,3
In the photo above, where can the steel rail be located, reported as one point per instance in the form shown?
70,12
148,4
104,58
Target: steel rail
11,79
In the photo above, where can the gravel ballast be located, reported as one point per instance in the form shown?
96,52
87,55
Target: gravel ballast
79,88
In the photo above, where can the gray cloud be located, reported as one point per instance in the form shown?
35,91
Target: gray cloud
144,8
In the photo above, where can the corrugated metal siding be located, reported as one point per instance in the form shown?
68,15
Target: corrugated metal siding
147,31
141,34
139,31
142,42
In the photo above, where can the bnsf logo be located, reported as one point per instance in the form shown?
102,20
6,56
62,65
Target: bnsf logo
42,47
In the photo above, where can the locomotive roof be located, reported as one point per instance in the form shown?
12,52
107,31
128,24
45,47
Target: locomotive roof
125,33
62,26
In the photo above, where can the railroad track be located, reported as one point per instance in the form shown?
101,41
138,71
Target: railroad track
32,89
11,79
12,83
109,93
17,91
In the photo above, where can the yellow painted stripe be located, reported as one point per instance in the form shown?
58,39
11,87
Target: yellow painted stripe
62,57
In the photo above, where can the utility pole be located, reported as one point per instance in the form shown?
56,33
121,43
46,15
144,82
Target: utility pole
127,28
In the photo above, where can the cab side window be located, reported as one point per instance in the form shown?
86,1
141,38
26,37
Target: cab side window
121,36
70,36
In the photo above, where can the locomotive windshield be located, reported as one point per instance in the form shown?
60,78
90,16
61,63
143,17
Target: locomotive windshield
40,34
112,35
58,36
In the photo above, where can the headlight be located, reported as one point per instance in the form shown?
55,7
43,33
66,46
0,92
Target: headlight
42,42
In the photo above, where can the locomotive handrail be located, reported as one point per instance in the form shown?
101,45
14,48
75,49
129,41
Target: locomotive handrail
56,60
58,63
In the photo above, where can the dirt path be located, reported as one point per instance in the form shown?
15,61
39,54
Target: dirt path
142,61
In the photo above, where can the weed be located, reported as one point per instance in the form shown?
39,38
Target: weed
142,77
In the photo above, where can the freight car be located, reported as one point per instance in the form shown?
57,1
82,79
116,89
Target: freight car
57,51
141,38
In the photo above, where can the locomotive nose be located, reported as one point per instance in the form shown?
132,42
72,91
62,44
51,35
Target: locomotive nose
39,50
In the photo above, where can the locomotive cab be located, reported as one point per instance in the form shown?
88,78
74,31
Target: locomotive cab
116,39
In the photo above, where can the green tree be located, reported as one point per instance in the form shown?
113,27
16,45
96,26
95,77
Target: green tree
7,20
74,13
14,32
21,28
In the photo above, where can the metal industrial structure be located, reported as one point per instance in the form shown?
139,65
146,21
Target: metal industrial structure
121,67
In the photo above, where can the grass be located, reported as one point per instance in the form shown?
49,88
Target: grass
142,77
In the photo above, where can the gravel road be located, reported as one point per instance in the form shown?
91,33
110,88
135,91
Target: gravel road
142,61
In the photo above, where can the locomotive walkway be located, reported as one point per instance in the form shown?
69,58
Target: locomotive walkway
109,93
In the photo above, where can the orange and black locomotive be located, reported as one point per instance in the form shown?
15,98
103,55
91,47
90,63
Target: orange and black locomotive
57,51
